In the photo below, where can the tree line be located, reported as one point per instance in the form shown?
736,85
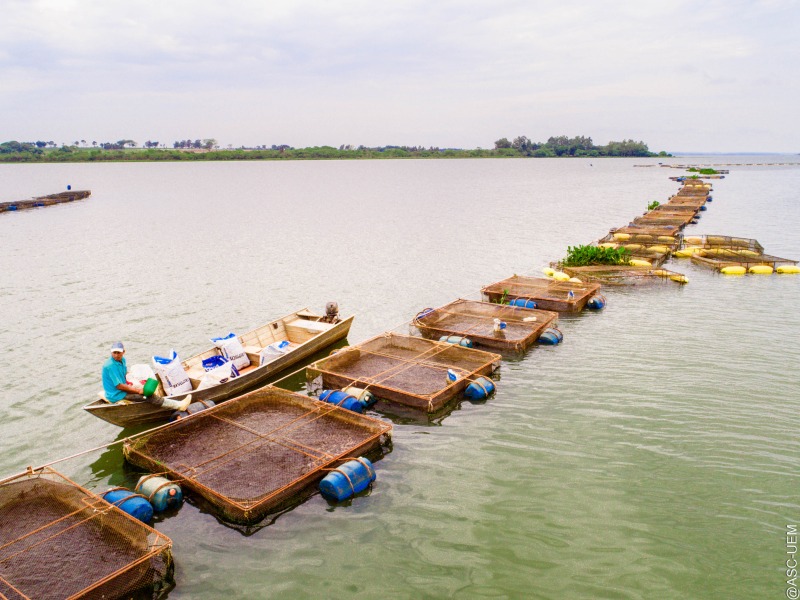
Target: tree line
566,146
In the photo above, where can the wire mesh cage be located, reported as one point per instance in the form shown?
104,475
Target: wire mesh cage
477,321
257,454
670,242
59,540
408,370
665,218
691,201
675,209
723,241
624,274
546,293
719,258
653,230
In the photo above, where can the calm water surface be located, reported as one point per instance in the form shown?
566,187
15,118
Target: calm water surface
654,454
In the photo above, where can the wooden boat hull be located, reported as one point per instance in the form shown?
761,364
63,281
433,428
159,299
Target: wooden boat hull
139,413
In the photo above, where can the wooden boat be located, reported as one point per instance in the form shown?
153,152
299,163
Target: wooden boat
305,331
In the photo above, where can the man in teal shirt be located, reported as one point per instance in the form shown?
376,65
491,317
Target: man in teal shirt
116,386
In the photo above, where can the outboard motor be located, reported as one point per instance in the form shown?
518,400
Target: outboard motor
332,313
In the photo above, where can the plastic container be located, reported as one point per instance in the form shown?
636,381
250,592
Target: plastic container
550,336
343,399
523,303
162,493
134,504
150,387
347,480
457,339
194,407
596,302
366,398
480,389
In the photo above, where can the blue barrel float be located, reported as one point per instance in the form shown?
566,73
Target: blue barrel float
162,493
135,505
596,302
522,303
343,399
366,397
551,336
457,339
704,207
480,389
348,479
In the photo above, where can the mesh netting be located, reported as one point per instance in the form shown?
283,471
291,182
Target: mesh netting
672,242
58,540
254,455
655,230
664,218
623,274
548,294
691,201
404,369
475,320
719,258
724,241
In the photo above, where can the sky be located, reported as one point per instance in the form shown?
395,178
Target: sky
680,75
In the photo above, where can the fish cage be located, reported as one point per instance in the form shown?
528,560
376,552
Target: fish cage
723,241
546,293
664,218
479,321
655,230
670,242
403,369
612,275
675,209
719,258
695,202
257,454
59,540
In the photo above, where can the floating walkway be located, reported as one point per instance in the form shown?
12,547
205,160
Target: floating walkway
50,200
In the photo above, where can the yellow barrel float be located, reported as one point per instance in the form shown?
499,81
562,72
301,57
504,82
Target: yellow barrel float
659,249
750,253
693,240
575,280
622,236
608,245
733,270
666,238
548,271
560,276
636,262
788,269
678,278
761,270
632,246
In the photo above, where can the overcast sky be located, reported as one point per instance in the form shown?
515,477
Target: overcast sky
680,75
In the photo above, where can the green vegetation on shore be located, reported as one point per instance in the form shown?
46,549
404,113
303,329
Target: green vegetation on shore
207,149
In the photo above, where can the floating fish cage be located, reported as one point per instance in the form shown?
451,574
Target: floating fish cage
546,293
670,242
695,202
407,370
675,209
723,241
662,218
624,274
694,190
59,540
257,454
655,230
719,258
481,322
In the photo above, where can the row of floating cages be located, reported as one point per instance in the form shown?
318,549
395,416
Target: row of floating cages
48,200
619,275
257,454
723,241
411,371
480,322
546,293
59,540
720,258
615,238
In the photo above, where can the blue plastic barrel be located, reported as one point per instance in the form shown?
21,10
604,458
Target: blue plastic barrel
522,302
550,336
343,399
347,480
457,339
710,198
596,302
480,389
133,504
194,407
162,493
704,207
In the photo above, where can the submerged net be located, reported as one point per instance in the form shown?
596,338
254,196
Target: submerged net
257,454
624,274
476,320
548,294
404,369
58,540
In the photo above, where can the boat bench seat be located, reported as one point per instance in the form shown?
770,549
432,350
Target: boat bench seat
310,326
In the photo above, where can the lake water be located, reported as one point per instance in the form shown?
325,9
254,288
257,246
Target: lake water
654,454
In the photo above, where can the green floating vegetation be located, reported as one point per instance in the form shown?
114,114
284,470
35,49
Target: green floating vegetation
653,204
703,171
585,256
